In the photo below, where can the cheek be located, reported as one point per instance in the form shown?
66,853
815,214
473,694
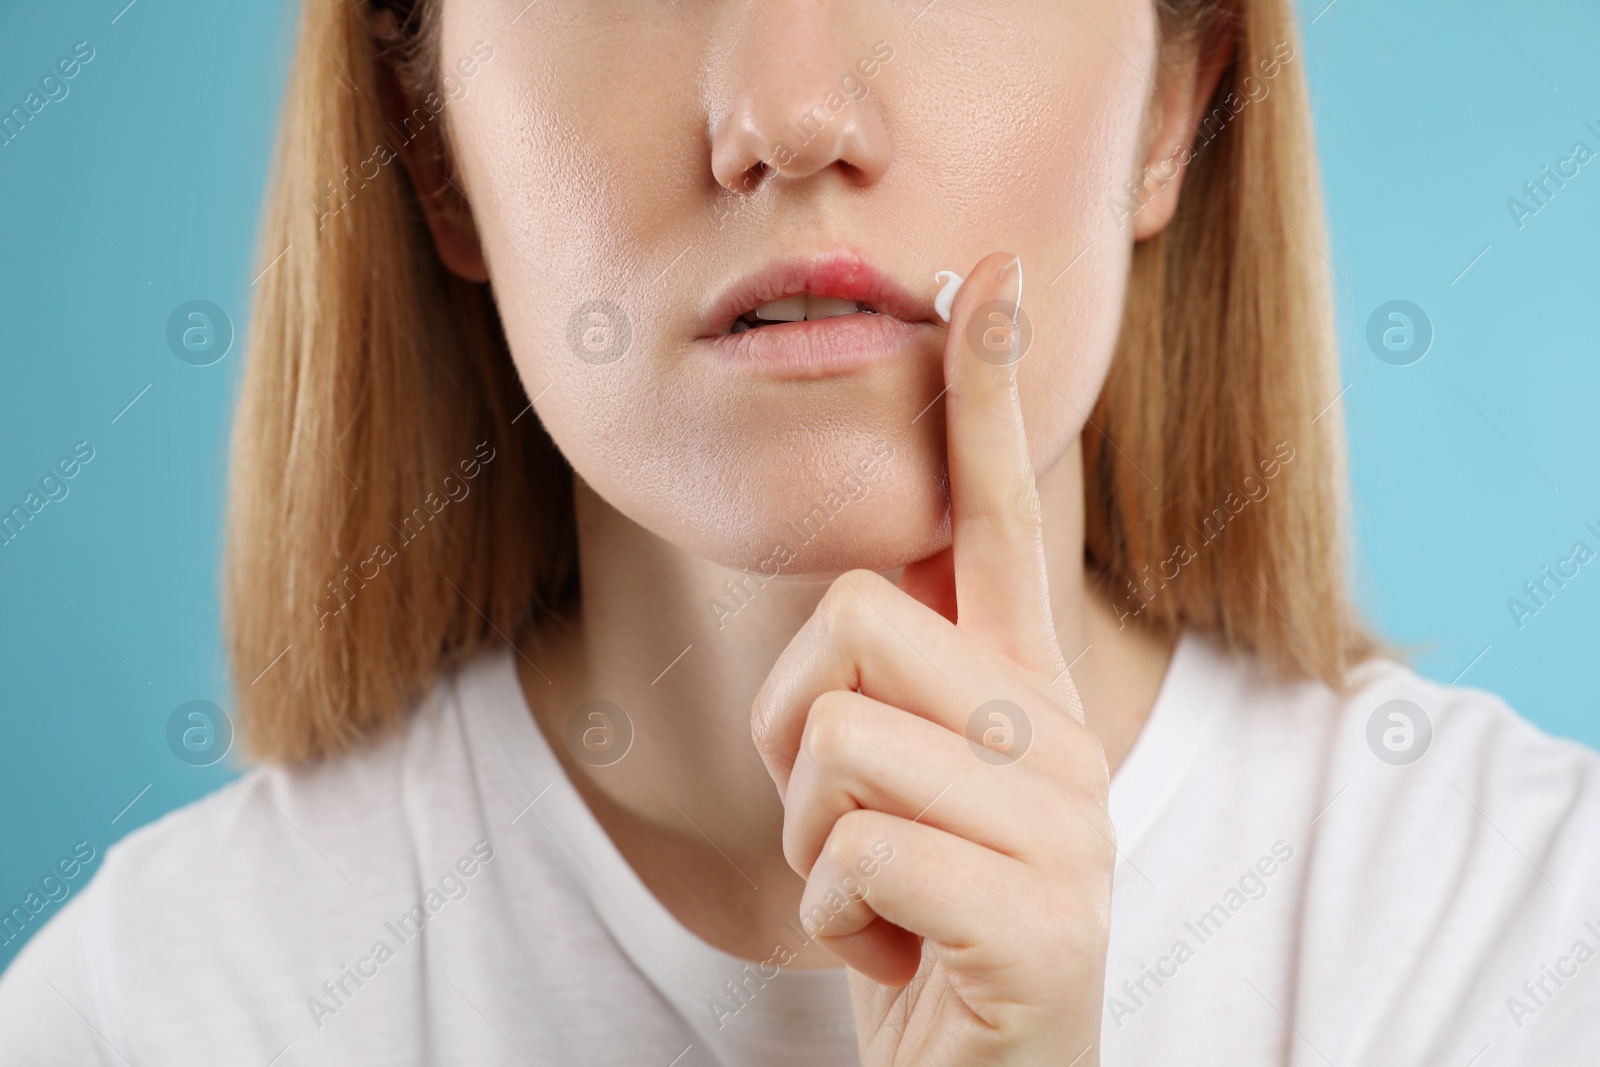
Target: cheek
577,186
1053,188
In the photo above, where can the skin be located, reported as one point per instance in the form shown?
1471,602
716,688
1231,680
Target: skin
609,150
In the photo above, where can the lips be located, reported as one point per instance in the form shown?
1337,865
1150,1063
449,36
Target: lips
842,275
756,325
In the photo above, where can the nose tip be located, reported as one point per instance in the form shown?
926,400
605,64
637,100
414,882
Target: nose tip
772,137
800,100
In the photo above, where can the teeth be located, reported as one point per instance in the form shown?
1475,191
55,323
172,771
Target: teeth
789,309
822,307
797,308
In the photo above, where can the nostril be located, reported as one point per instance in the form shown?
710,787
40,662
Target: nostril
852,173
740,150
767,138
753,178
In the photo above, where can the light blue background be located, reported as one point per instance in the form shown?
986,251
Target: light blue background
139,191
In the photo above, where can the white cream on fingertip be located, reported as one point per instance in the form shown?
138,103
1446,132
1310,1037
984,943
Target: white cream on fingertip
945,301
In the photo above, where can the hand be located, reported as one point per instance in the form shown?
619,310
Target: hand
966,883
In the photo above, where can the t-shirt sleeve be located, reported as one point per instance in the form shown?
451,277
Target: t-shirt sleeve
1553,1015
1463,892
50,1013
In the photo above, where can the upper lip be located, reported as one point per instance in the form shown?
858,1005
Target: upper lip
843,274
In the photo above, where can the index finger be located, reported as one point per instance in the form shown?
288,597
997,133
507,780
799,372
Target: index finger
1002,592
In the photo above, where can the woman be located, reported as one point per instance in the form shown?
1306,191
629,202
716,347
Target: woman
1068,745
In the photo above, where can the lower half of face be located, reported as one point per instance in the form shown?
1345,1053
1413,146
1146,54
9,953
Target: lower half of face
662,190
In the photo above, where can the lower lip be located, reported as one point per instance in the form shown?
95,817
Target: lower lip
820,348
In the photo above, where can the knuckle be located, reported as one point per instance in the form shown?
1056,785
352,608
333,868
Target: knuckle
831,729
1064,690
1110,830
764,725
846,842
1093,837
863,579
1080,818
841,606
1012,501
845,605
794,851
1097,771
1088,771
1082,936
1022,500
1090,816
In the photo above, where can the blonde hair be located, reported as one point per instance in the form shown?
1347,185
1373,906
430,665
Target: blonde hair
375,377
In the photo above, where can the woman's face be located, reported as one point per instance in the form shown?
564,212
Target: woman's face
612,153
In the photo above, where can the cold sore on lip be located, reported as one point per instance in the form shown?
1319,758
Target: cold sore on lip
827,314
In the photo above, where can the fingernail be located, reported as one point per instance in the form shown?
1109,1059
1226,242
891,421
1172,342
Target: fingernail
1008,287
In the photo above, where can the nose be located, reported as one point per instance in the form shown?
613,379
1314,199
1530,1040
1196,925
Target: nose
802,102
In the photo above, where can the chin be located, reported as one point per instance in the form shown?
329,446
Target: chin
897,523
874,501
870,501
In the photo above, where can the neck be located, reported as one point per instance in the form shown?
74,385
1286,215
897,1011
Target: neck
690,805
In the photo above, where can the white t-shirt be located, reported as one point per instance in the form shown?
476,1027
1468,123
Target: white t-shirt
1285,896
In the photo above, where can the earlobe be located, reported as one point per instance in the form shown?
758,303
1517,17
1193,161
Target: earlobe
444,206
1181,99
450,221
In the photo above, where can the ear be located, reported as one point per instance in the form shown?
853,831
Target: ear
1187,80
419,139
